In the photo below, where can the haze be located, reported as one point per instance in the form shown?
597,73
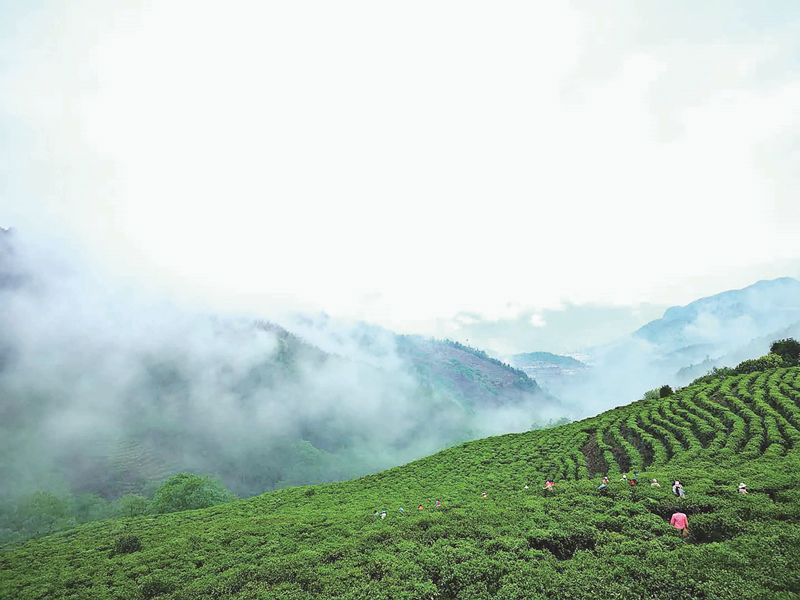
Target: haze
414,166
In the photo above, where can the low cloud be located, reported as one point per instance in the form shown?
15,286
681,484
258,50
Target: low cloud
537,320
91,373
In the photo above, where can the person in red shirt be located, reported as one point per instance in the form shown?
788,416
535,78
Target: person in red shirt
680,522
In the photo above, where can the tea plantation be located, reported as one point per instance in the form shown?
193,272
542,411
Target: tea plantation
573,542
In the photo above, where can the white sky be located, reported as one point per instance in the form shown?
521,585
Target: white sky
406,162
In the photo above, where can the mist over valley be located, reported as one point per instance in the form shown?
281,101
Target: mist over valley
108,391
685,343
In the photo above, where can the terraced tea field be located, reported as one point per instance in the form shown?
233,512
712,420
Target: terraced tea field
573,542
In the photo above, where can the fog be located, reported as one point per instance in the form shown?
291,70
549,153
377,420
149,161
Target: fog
686,343
107,388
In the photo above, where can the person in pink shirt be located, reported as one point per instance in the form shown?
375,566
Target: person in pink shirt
681,523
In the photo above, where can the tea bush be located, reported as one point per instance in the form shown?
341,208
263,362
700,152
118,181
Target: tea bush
125,544
572,542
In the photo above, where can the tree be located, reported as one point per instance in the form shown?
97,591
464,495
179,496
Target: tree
131,505
89,507
551,423
42,513
788,349
187,492
665,391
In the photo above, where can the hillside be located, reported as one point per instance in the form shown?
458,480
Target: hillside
545,367
470,374
575,542
547,358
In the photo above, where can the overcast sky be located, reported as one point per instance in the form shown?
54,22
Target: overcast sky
415,164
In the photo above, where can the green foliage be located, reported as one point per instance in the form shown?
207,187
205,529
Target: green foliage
652,394
550,423
89,507
131,505
788,349
42,513
665,391
188,492
482,355
783,353
573,542
125,544
770,361
154,586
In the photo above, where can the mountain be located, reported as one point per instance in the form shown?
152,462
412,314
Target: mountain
327,541
721,330
470,374
725,321
756,347
546,364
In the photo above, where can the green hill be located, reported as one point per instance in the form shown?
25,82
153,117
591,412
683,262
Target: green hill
470,376
575,542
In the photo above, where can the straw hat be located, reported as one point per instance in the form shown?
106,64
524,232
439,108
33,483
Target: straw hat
742,485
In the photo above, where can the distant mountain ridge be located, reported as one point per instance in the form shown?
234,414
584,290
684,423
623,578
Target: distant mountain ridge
470,373
686,342
547,358
756,347
727,317
470,376
547,367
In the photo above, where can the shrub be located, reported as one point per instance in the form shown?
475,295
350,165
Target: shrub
126,544
131,505
154,586
665,391
770,361
188,492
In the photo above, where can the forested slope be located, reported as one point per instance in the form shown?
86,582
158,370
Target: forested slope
575,542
